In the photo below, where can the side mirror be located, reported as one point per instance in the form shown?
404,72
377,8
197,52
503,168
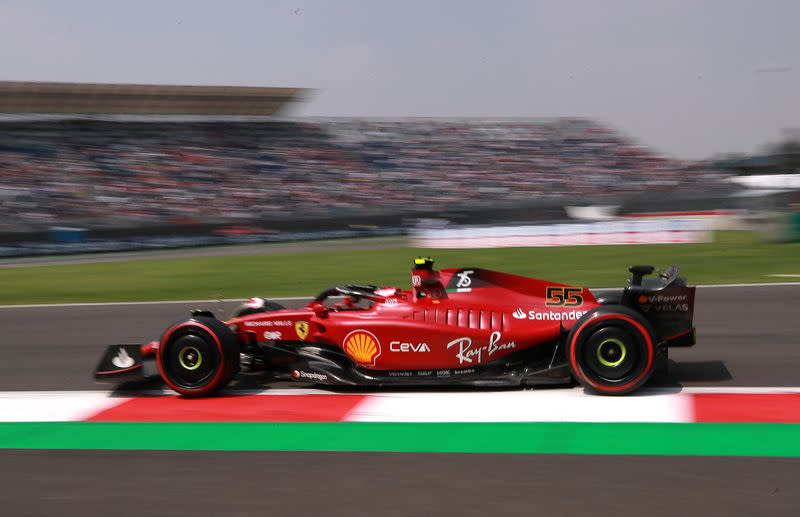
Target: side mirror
196,313
320,311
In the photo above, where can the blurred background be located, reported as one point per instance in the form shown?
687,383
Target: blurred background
536,118
190,154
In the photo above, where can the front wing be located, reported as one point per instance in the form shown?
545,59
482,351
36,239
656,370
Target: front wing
120,362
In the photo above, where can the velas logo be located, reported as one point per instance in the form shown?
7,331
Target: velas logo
362,347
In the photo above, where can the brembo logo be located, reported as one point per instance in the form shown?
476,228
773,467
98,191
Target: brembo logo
533,314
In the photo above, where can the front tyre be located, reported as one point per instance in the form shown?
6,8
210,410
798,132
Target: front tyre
611,350
198,357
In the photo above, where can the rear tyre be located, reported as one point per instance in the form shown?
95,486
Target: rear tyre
198,357
611,350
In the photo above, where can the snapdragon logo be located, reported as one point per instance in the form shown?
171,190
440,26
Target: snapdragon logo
314,376
533,314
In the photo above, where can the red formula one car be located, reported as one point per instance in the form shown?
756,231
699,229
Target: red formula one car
455,326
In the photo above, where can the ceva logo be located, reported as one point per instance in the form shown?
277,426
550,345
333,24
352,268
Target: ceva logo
520,314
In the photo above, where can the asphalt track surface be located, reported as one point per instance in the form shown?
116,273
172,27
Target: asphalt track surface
389,485
747,336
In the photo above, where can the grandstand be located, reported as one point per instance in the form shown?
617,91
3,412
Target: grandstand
121,156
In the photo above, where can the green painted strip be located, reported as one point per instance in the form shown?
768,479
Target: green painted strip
568,438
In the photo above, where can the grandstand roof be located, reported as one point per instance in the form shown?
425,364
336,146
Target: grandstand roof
140,99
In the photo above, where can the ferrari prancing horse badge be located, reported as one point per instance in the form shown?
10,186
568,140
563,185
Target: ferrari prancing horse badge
301,327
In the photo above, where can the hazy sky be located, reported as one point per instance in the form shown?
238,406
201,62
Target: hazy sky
690,78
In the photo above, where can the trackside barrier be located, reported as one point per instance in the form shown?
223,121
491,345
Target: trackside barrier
660,231
22,249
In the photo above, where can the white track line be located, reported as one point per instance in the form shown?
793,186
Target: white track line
156,302
522,406
64,406
757,284
770,390
546,405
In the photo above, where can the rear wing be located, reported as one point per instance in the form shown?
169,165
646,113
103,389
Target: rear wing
665,278
666,301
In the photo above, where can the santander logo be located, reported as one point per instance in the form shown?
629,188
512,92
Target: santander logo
533,314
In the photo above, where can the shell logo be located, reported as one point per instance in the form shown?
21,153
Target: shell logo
362,347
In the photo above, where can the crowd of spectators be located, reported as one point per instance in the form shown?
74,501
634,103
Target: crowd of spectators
112,172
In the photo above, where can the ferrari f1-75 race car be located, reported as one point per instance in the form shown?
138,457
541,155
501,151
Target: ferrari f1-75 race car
466,326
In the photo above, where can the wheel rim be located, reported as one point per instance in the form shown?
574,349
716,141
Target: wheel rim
611,355
190,358
611,352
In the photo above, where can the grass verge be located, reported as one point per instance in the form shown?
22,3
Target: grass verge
732,258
